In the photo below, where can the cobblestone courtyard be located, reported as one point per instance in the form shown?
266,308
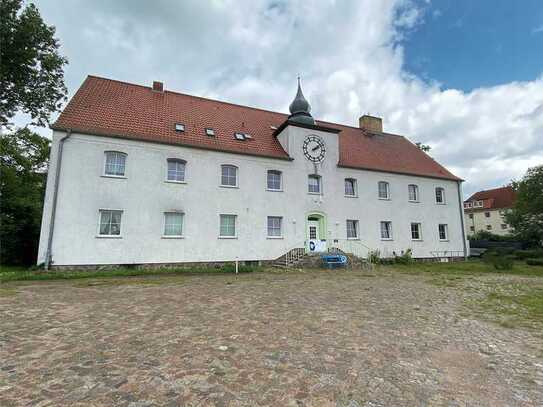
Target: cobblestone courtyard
316,338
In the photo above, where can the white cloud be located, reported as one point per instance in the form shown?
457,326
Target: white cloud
350,57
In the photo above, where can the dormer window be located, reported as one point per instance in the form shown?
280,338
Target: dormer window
210,132
180,127
242,136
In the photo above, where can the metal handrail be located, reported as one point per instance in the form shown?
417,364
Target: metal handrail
295,253
352,246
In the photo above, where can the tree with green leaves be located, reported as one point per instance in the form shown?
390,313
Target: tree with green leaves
23,168
526,217
31,82
31,67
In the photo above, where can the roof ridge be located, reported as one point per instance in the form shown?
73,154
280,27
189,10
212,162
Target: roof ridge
233,104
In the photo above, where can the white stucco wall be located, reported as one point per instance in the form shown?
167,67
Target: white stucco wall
479,221
144,196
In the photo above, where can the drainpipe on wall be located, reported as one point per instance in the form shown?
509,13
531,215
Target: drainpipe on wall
461,205
48,255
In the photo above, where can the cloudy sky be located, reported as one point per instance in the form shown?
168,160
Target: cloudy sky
465,77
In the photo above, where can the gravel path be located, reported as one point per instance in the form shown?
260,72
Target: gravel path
322,338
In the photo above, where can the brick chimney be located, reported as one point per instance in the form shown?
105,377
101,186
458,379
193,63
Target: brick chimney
371,123
158,86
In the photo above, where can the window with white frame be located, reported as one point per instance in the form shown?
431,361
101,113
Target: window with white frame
110,222
413,191
386,230
352,229
443,232
173,224
274,180
176,170
416,231
227,226
350,187
274,226
478,204
314,184
115,163
384,190
229,176
504,226
440,195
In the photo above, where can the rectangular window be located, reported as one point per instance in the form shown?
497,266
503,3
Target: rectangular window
274,226
413,193
488,227
504,226
173,224
176,170
274,180
228,226
443,233
110,222
472,228
487,214
210,132
229,176
440,195
352,229
415,231
314,184
471,215
384,190
386,230
350,187
115,163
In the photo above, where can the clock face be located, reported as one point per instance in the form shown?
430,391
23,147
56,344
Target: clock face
314,148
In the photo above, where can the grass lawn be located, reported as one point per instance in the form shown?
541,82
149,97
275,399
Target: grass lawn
502,297
10,273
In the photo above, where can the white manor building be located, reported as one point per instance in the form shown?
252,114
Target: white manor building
142,175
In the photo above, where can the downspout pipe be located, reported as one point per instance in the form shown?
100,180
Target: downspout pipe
48,254
461,207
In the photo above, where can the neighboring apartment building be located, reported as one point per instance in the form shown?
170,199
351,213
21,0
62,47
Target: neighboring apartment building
485,210
144,175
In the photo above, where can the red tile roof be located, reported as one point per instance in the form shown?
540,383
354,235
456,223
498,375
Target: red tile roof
497,198
112,108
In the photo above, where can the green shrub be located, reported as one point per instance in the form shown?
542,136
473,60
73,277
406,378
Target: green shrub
498,261
529,254
374,257
534,262
405,258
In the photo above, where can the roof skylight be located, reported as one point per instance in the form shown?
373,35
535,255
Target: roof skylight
210,132
179,127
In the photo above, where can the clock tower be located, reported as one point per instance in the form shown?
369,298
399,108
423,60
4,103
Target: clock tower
304,139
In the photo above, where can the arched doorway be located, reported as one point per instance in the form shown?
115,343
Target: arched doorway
316,231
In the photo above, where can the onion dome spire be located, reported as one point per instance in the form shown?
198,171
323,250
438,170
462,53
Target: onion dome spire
300,108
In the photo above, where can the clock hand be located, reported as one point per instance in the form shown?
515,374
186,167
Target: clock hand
315,148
